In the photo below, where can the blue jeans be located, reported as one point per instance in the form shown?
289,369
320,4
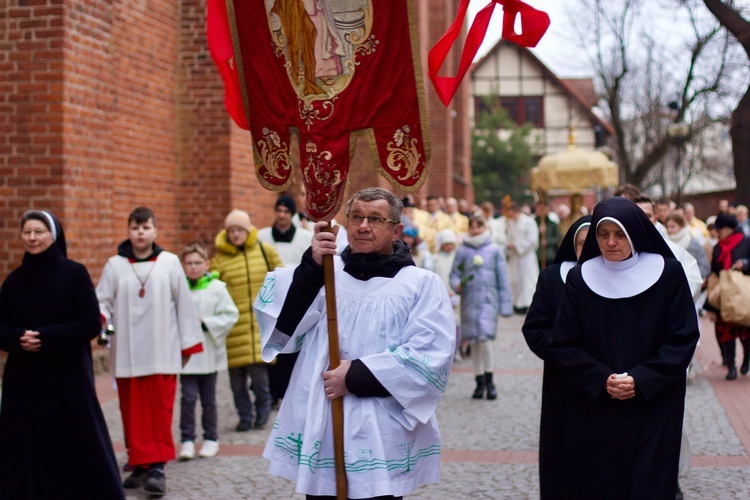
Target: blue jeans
192,387
238,376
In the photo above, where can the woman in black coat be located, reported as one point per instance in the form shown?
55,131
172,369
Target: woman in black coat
731,252
54,442
537,330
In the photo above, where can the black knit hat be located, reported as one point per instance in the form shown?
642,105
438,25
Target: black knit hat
288,202
726,220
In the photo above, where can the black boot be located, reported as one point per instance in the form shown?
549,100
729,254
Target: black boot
723,349
731,349
491,390
479,391
745,357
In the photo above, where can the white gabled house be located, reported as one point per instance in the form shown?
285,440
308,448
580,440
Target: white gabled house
512,77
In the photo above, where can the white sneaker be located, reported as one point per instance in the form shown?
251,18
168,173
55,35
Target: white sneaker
209,449
187,450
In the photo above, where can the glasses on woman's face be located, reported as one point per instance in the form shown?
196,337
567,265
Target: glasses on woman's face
38,233
374,221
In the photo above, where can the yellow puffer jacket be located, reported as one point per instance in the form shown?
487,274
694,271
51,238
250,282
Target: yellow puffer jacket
244,271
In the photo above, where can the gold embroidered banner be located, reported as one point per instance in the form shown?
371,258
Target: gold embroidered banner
326,71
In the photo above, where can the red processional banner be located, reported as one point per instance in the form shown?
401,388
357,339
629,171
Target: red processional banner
327,71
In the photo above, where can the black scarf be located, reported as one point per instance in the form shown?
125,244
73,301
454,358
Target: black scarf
283,237
43,264
364,266
125,249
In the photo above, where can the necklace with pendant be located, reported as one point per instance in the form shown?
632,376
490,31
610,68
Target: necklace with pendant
142,292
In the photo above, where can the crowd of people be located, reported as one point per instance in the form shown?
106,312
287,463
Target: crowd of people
418,288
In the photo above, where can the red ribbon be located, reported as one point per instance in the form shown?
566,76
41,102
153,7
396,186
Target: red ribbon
534,24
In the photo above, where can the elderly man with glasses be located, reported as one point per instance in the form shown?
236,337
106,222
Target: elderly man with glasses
397,337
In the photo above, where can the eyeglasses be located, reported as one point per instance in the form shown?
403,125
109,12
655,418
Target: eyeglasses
36,232
375,221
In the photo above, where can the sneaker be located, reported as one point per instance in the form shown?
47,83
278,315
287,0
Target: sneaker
187,450
244,425
136,479
209,449
156,484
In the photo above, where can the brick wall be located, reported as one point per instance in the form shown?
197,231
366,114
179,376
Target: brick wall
89,101
31,117
203,131
145,47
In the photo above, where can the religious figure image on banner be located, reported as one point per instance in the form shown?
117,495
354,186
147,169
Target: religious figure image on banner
319,39
327,71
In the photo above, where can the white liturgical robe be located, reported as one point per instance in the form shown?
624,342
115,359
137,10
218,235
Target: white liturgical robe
403,330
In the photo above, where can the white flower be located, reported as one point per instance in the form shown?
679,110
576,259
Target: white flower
478,260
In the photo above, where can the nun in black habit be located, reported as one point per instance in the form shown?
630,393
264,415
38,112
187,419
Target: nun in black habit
54,442
537,330
624,335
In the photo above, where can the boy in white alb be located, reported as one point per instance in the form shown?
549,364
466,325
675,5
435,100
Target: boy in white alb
144,294
217,315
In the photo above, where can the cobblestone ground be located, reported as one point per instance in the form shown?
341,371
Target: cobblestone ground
508,428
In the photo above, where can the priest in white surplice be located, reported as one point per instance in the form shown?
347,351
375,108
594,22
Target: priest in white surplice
523,266
397,337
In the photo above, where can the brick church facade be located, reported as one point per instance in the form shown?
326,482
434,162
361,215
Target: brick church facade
110,104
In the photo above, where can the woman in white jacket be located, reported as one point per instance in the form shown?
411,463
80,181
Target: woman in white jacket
217,314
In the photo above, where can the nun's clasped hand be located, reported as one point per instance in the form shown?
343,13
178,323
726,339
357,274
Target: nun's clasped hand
620,388
30,341
335,380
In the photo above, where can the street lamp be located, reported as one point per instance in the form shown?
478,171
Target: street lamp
678,133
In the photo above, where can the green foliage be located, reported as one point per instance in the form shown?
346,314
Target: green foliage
464,279
500,165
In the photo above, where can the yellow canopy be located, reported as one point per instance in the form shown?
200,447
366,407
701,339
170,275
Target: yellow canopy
574,170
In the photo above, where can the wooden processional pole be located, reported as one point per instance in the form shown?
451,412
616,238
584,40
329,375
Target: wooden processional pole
337,405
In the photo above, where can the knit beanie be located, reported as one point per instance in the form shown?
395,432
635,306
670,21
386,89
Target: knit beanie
238,218
288,202
446,236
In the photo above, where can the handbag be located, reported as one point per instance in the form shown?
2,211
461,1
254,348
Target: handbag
713,291
735,297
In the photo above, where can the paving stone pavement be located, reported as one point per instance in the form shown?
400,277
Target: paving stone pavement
489,447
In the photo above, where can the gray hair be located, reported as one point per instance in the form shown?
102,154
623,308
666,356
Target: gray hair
396,207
